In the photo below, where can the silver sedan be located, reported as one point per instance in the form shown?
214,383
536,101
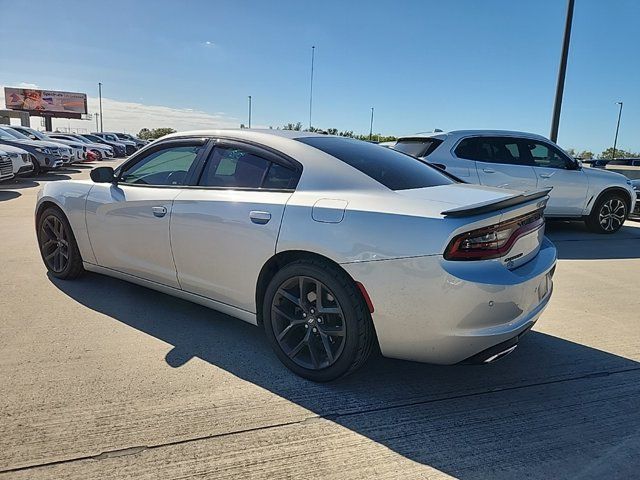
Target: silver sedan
335,246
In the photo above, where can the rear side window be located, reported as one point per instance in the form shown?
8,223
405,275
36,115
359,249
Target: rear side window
394,170
417,147
233,167
504,150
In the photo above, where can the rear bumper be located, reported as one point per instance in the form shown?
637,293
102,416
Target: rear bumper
431,310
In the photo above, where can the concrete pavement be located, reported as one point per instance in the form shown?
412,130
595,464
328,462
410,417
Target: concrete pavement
103,379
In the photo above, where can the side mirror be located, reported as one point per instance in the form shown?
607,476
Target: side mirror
103,175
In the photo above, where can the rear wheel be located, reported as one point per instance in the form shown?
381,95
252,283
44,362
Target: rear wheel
58,246
316,321
608,214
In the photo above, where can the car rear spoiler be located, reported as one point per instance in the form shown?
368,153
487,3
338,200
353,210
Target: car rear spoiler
492,206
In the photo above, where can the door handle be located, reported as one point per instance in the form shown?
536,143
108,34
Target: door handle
488,170
259,217
546,175
159,211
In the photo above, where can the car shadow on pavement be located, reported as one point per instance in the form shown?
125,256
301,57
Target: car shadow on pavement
30,182
575,242
8,195
552,409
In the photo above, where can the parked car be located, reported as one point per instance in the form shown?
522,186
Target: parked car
48,155
20,159
78,150
130,146
596,162
99,150
125,136
635,214
6,166
627,162
330,243
119,149
526,161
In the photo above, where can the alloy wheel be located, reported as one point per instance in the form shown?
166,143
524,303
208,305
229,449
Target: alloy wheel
54,243
612,214
308,322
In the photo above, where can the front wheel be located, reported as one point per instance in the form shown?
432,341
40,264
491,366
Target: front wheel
316,321
58,246
608,214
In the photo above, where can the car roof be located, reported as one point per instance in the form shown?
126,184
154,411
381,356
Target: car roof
248,133
469,133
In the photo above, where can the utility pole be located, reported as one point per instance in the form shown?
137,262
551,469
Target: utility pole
313,51
615,140
557,104
97,116
371,126
100,95
249,111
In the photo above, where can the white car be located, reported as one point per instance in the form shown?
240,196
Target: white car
525,161
20,159
332,244
6,166
78,149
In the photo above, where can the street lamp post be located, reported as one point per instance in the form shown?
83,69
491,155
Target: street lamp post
313,51
249,111
100,95
97,116
615,140
371,126
557,104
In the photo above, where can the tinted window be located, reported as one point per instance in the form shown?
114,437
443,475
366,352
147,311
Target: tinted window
417,147
168,166
489,149
544,155
391,168
280,177
233,167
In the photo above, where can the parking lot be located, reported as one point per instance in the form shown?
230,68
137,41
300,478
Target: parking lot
104,379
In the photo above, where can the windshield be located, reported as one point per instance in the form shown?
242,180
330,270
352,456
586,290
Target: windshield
392,169
4,135
93,138
15,133
33,132
417,147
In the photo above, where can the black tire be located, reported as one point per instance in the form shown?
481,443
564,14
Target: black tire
608,214
349,349
37,170
57,244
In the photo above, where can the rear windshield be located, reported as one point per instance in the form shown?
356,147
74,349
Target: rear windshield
417,147
392,169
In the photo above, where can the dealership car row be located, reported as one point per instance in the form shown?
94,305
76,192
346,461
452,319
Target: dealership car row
25,151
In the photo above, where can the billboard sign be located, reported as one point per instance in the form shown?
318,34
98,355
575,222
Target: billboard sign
46,103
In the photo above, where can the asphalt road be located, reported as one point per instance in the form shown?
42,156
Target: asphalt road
103,379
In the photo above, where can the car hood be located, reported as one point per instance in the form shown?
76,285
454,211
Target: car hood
37,143
12,149
68,143
459,194
605,176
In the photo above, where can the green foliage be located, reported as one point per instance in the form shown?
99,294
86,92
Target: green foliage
146,134
376,137
608,154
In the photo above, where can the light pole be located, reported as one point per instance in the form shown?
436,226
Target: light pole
557,104
97,116
615,140
313,51
249,111
100,95
371,126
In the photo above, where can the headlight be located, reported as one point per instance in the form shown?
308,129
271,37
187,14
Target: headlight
44,150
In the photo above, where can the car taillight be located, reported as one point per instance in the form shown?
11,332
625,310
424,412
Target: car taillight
494,241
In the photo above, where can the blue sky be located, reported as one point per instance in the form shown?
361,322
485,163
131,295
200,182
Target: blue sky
421,64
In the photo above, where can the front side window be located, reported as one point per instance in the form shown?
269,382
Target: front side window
544,155
394,170
168,166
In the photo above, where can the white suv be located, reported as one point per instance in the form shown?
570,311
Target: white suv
525,161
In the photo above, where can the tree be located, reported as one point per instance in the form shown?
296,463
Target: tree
146,134
608,154
585,155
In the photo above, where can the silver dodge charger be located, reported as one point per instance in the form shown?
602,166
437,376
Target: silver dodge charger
335,246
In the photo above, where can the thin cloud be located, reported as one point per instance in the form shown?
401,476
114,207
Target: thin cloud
132,116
